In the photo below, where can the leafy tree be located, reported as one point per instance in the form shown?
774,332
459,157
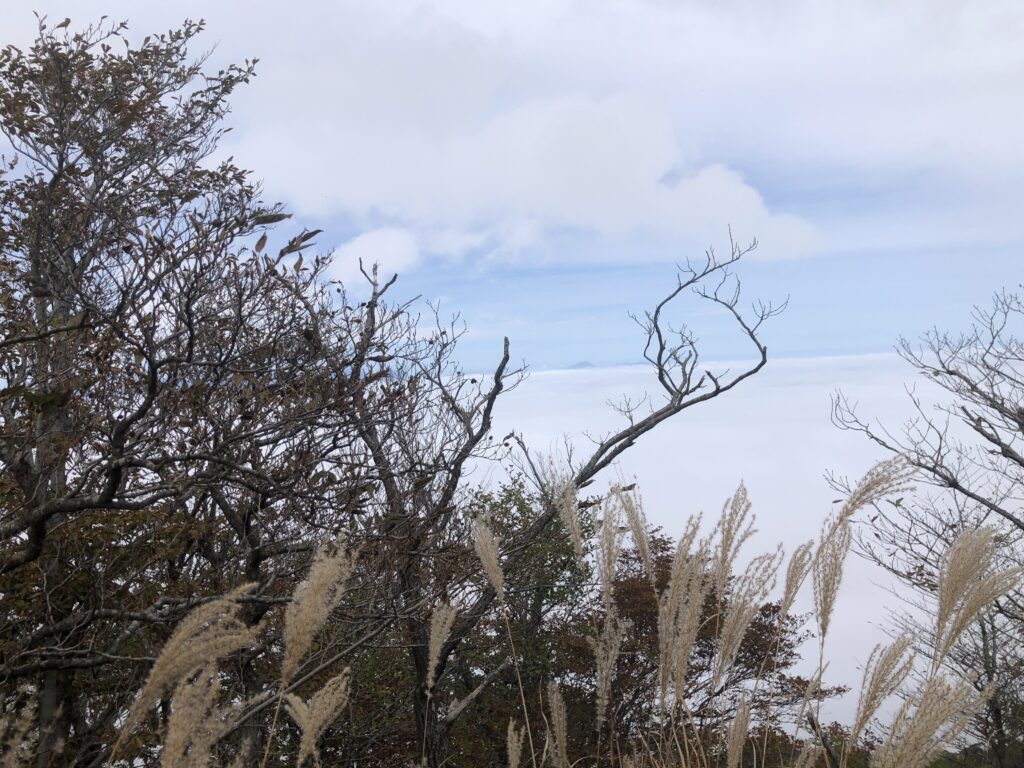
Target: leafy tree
554,607
768,652
175,412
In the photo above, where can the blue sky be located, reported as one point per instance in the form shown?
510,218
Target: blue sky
539,167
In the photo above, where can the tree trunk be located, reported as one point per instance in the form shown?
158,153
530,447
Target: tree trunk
53,718
432,733
997,740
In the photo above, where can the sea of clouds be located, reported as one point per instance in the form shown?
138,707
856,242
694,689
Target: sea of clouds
774,433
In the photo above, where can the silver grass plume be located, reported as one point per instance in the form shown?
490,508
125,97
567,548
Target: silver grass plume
967,585
609,545
315,716
827,569
680,605
684,630
313,601
748,592
928,721
738,734
17,734
194,723
734,528
514,744
796,573
638,528
809,755
440,627
559,730
568,511
209,632
606,653
939,711
883,479
486,545
885,671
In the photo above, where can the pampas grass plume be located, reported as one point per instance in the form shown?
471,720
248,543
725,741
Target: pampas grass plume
316,715
486,545
440,627
514,744
312,603
209,632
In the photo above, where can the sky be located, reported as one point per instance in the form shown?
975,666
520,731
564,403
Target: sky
540,168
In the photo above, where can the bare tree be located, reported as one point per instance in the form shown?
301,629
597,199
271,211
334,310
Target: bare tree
968,444
675,357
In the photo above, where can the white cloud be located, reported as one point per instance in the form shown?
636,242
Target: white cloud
591,164
392,250
488,119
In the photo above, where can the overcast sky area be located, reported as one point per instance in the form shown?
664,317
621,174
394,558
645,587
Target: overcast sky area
540,168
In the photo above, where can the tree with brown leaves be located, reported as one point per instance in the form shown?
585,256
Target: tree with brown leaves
175,400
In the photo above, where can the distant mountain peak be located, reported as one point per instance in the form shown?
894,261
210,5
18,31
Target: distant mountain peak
581,365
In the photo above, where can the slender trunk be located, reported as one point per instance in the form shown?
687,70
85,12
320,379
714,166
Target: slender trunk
51,361
53,718
993,708
997,742
432,733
